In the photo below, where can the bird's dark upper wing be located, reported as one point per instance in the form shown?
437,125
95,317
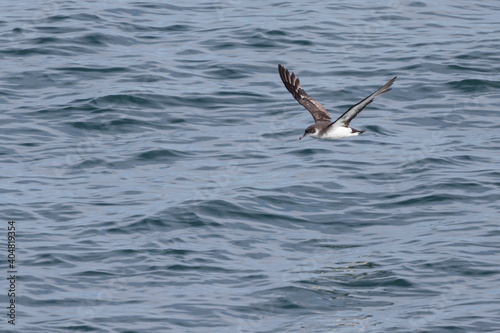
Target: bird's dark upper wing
353,111
292,84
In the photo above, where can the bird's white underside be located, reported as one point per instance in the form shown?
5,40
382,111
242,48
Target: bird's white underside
336,132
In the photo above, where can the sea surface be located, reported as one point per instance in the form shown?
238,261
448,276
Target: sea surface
149,157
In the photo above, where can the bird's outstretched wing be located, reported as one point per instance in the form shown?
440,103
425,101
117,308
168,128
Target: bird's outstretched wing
353,111
292,84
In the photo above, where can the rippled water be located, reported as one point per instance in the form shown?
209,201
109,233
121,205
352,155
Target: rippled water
150,159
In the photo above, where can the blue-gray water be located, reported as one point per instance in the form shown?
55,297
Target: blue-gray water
151,161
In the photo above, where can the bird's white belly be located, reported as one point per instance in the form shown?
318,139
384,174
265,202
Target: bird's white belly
339,133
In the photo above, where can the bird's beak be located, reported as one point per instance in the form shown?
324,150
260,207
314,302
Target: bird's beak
302,137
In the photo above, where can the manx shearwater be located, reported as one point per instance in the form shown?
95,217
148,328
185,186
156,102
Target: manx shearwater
324,127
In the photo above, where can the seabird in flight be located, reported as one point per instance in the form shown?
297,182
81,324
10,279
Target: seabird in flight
324,127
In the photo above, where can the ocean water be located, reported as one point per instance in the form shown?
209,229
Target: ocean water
150,160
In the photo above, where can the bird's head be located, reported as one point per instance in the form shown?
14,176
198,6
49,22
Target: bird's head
310,131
